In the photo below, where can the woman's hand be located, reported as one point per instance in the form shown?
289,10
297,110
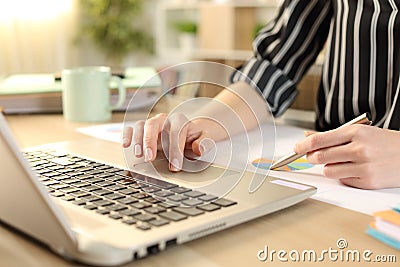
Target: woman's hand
358,155
182,134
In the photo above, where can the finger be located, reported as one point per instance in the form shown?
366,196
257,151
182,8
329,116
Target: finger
343,170
152,128
138,139
335,154
127,136
322,140
355,182
178,135
349,174
202,145
308,133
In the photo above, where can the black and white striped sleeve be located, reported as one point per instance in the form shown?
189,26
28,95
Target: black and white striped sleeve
285,49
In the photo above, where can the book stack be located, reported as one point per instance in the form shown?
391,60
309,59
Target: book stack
386,227
42,92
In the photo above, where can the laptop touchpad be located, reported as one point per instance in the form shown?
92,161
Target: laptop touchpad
196,173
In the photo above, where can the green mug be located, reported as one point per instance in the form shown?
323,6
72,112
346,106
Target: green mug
86,93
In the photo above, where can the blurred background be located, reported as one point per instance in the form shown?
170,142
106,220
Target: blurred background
46,36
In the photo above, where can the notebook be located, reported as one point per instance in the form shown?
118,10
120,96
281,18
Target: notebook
100,214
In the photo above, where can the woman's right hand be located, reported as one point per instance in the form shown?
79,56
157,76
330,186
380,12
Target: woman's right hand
182,134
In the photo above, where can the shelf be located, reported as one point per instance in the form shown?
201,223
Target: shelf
168,46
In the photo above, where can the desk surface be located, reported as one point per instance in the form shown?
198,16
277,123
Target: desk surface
310,225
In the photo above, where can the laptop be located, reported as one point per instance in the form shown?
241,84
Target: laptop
101,214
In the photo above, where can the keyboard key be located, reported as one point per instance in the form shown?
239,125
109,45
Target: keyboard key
90,207
65,170
116,207
192,202
152,200
223,202
194,194
103,211
69,190
103,202
180,190
105,183
61,177
168,204
59,186
91,188
127,200
192,211
173,215
104,167
50,182
141,205
79,202
68,198
94,172
56,153
51,174
128,191
80,194
62,161
144,217
111,177
102,192
96,164
154,210
116,187
129,221
209,207
130,212
115,216
57,194
177,198
143,227
126,181
85,177
140,195
71,181
94,180
151,189
81,184
91,198
158,222
104,175
163,193
208,198
114,196
112,170
122,173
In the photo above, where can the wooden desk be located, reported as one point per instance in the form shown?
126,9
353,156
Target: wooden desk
310,225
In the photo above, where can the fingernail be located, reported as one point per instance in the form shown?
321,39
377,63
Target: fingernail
202,149
138,150
295,148
175,165
148,154
125,141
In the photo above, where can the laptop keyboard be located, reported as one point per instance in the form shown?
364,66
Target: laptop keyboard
133,199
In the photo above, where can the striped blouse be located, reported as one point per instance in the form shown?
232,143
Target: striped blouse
362,60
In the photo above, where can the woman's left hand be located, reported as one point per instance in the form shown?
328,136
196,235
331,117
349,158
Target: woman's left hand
358,155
